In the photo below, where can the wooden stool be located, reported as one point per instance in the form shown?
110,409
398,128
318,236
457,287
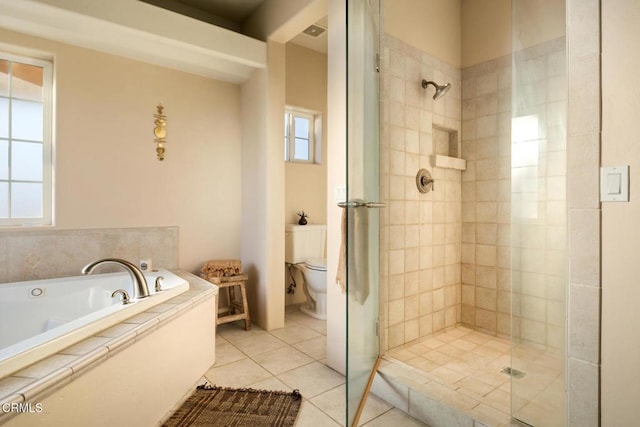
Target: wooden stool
238,308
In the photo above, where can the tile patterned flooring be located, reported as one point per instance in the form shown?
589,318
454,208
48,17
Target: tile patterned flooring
462,368
294,357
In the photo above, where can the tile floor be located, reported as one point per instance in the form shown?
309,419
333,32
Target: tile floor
462,368
294,357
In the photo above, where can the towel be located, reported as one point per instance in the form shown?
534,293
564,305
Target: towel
341,275
353,264
221,268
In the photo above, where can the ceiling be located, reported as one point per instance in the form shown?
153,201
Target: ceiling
233,10
231,14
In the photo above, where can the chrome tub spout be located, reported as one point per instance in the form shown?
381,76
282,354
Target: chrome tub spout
140,287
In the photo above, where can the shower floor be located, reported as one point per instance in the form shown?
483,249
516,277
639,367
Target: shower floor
462,369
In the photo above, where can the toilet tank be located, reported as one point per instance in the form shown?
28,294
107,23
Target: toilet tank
302,242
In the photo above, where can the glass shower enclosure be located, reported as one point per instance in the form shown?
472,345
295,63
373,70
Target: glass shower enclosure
362,208
519,294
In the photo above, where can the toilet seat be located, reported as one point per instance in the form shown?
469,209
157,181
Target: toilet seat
316,264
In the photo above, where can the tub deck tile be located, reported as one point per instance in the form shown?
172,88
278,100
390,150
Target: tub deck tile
55,379
146,327
185,296
12,398
184,306
161,308
167,315
122,341
117,330
9,385
141,318
45,367
89,359
86,346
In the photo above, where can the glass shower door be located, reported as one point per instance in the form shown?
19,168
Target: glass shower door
538,213
362,209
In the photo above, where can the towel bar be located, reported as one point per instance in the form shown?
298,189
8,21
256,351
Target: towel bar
361,204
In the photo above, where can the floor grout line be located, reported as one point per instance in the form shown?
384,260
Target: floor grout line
229,337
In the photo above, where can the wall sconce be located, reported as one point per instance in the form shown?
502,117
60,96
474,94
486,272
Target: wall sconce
160,131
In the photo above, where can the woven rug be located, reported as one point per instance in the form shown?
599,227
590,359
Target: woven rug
218,406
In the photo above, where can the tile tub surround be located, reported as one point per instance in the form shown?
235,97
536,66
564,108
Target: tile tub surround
43,378
49,253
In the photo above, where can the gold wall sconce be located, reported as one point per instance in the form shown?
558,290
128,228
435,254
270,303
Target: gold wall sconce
160,131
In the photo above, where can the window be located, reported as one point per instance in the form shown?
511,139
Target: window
25,140
301,129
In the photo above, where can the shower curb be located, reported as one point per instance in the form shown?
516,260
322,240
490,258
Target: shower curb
403,392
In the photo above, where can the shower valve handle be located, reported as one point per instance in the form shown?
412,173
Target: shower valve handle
426,181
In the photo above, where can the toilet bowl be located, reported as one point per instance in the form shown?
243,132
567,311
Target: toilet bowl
314,287
305,251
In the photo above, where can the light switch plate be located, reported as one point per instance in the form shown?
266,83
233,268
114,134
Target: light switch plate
340,193
614,184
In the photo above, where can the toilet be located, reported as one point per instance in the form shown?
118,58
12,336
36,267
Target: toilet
305,251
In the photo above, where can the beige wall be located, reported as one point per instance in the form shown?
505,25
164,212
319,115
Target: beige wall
263,171
306,87
106,171
263,190
620,221
336,176
538,21
432,26
486,26
486,30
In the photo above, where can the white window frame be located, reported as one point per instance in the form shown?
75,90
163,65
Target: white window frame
314,135
47,143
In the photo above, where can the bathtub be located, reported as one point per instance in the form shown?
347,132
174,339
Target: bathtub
39,318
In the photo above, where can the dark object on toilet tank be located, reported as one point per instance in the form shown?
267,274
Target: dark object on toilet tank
303,218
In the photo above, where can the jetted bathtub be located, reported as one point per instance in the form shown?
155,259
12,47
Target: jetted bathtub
41,317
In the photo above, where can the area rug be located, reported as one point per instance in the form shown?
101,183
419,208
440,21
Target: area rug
217,406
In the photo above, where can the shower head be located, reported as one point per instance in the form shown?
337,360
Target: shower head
441,90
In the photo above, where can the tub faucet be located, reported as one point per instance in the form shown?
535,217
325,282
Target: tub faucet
140,287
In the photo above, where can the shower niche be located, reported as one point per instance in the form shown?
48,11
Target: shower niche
447,148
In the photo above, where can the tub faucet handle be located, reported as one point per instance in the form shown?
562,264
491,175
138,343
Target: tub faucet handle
125,296
158,286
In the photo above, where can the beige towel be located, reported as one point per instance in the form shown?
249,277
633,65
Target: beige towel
353,263
221,268
341,275
358,252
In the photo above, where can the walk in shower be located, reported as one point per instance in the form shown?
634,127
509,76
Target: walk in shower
472,273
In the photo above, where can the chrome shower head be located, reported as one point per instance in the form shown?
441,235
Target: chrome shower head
441,90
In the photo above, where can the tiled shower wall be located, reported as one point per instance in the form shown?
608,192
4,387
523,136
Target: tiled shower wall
420,233
486,195
514,216
43,254
539,214
448,255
